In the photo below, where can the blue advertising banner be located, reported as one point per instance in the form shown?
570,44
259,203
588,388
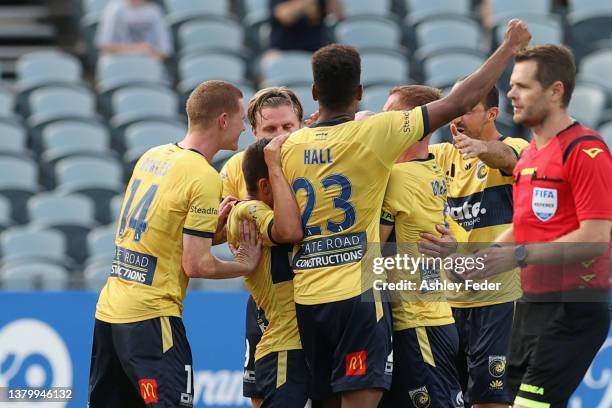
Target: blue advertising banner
45,341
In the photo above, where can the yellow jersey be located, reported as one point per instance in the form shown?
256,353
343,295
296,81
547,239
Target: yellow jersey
415,202
271,284
339,171
232,177
173,191
480,209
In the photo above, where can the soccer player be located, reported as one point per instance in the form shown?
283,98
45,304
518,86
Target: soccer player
478,165
282,377
272,112
425,339
338,170
561,227
168,221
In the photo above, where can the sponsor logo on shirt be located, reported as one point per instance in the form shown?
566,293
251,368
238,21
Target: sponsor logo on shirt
331,251
496,385
356,363
492,206
133,266
199,210
593,152
148,390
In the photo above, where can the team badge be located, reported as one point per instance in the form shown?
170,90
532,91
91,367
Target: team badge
593,152
544,203
497,366
481,171
420,397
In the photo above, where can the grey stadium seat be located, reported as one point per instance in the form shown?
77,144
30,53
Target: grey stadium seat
369,32
47,67
140,137
7,102
18,182
366,7
34,276
132,104
180,11
419,10
6,219
596,68
21,244
96,275
587,104
444,70
12,139
379,67
114,71
606,132
505,9
210,34
67,138
304,93
543,29
374,98
286,68
101,244
446,33
194,69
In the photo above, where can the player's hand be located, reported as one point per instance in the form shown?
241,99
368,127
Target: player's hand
224,209
438,246
517,35
457,275
313,118
468,147
496,260
272,151
249,251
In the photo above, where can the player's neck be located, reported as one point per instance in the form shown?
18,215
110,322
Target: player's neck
555,122
490,134
327,115
418,151
202,142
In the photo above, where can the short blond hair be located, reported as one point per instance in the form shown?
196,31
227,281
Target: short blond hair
209,99
273,97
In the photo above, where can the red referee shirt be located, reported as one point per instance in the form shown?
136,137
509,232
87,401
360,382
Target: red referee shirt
556,187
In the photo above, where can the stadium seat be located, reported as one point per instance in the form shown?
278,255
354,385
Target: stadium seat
12,139
447,33
374,98
606,132
115,71
378,67
503,10
35,276
18,182
101,245
6,220
286,68
96,274
180,11
444,70
194,69
68,138
115,207
369,32
366,7
246,138
7,102
73,215
587,104
596,68
142,136
590,29
133,104
23,244
589,5
97,178
47,68
210,34
419,10
543,29
304,94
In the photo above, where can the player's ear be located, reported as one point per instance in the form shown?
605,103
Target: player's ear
264,186
493,113
223,120
315,93
359,94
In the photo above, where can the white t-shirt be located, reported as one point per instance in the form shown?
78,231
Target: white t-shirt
123,24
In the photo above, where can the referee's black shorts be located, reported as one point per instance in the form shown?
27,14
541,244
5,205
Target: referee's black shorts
551,349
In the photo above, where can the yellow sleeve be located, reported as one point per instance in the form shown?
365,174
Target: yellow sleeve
228,177
203,196
389,134
517,144
394,197
257,212
440,152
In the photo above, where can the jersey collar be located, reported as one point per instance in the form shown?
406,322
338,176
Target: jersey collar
334,122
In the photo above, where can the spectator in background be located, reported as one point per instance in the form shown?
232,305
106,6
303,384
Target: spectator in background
134,27
299,24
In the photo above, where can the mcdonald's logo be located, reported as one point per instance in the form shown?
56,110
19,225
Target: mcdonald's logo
148,390
356,363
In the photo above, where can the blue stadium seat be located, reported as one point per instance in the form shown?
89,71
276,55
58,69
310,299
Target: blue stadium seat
83,175
210,34
419,10
115,71
136,103
68,138
180,11
589,5
194,69
444,70
596,68
590,29
142,136
115,207
304,94
101,245
374,98
22,244
366,7
7,102
447,33
369,32
73,215
35,276
503,10
378,67
286,68
18,182
45,68
587,104
96,274
12,139
543,29
6,219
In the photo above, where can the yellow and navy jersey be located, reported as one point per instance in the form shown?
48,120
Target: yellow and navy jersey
339,171
271,284
415,202
480,209
173,191
233,178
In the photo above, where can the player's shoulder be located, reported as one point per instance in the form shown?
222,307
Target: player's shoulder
578,138
250,209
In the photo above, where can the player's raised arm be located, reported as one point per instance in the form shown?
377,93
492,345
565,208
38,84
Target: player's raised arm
287,227
475,87
199,262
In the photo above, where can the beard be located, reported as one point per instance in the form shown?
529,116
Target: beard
532,116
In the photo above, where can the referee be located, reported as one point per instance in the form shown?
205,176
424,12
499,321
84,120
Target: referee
562,212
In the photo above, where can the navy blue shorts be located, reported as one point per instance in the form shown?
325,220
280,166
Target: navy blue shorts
283,379
347,344
424,372
254,323
141,364
484,339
